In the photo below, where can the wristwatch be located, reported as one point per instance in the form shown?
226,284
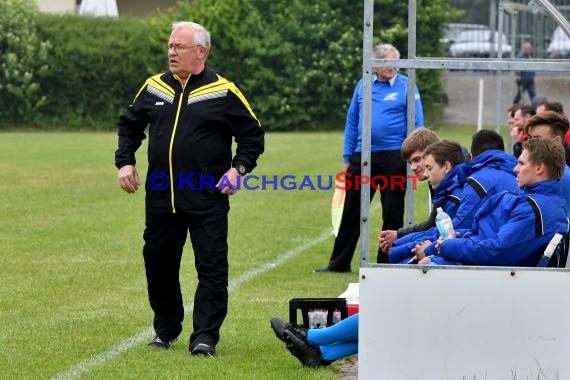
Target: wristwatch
240,168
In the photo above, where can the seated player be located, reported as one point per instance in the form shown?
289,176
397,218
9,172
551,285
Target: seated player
512,229
413,153
443,161
488,173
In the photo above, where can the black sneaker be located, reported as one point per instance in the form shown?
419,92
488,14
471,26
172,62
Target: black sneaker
308,353
203,349
327,269
279,326
159,343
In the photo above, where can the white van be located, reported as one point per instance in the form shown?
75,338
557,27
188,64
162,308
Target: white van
559,45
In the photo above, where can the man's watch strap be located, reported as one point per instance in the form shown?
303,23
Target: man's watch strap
242,170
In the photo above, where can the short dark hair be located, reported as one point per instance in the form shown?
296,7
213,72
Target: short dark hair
417,141
512,109
527,110
558,123
549,152
445,150
485,140
552,106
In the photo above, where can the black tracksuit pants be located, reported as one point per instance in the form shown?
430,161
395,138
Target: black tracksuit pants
389,165
165,235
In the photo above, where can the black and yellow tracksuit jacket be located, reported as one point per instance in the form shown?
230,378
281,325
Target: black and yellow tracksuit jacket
190,138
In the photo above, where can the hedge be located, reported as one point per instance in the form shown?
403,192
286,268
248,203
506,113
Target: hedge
97,66
296,61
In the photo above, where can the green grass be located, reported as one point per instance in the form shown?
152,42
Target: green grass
73,284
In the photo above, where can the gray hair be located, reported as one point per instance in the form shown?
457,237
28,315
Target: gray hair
201,34
381,50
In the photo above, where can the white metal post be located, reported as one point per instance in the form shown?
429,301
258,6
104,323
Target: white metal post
480,105
366,130
411,103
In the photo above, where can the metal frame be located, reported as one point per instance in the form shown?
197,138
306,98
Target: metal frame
413,63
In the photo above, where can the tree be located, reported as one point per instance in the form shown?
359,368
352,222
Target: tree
299,61
99,63
23,59
473,11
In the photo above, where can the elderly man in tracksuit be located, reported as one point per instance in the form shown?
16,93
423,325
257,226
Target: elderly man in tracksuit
194,114
512,229
488,173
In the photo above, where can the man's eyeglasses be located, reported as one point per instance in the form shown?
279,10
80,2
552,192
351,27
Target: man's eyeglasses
179,48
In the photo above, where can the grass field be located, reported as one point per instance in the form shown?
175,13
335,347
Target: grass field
73,293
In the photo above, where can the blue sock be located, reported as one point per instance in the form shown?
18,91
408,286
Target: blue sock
343,331
339,350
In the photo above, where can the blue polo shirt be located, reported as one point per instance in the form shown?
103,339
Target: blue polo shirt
389,116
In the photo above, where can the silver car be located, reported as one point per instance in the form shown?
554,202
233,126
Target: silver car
453,30
477,44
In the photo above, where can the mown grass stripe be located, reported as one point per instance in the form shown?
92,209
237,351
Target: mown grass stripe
99,359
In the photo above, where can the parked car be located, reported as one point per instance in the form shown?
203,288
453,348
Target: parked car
477,44
452,31
559,46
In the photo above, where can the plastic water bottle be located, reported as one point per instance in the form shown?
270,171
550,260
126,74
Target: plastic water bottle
444,225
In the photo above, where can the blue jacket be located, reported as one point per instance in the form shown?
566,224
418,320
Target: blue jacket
447,196
389,116
510,229
489,173
526,76
565,184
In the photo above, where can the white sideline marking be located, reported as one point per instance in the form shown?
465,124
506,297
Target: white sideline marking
86,365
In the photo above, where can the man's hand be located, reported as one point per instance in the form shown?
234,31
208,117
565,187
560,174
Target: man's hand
231,176
128,179
425,261
440,241
418,250
386,239
344,171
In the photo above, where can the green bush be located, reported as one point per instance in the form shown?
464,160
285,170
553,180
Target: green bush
432,17
23,60
96,67
297,61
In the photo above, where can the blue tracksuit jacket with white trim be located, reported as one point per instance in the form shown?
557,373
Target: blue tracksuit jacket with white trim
489,173
510,229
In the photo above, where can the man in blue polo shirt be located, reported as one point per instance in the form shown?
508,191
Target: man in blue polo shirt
389,129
